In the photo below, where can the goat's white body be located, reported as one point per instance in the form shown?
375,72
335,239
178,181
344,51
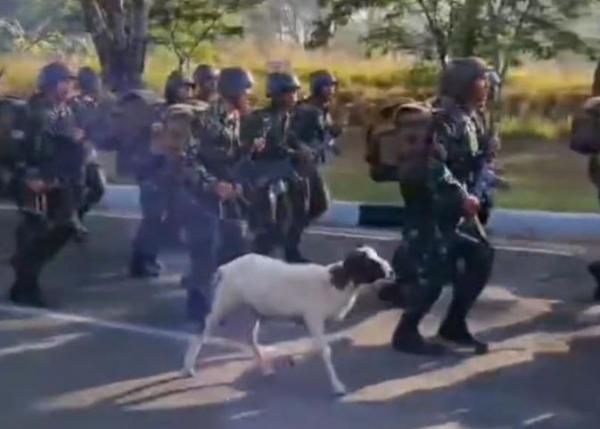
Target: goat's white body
276,289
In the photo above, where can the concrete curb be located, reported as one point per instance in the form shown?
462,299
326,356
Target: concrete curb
525,224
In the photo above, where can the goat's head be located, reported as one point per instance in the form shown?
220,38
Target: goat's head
361,266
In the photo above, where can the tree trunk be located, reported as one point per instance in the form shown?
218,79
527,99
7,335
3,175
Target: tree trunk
469,24
119,30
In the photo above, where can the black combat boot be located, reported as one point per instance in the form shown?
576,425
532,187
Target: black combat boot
594,269
25,290
144,266
408,339
456,334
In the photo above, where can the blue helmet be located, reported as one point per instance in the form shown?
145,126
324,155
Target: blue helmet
281,82
53,73
321,79
234,81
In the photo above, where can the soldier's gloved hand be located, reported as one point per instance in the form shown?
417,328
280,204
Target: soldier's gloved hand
79,135
471,205
259,144
225,190
36,185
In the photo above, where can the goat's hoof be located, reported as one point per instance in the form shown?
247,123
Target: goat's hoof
340,391
267,371
188,372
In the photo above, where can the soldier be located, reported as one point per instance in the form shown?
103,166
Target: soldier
270,127
178,88
315,133
214,212
13,118
594,176
156,194
53,183
463,248
90,107
205,83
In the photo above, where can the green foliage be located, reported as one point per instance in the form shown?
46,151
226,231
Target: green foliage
501,31
186,25
37,26
534,128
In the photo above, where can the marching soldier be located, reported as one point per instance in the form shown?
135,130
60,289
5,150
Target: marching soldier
178,88
90,107
214,211
315,133
53,183
270,127
205,83
156,195
458,242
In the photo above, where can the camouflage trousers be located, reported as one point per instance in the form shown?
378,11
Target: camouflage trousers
461,258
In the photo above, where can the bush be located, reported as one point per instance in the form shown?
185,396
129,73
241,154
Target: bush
534,127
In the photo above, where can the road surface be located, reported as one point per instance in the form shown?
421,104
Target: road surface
107,354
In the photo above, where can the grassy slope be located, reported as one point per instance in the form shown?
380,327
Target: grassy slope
544,175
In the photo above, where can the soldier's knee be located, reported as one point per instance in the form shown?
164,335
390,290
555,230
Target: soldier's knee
96,185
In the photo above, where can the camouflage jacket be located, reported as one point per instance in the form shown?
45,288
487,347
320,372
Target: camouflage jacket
274,126
462,135
434,205
92,114
56,152
219,149
313,127
12,160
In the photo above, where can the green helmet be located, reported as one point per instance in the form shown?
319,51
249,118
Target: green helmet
457,79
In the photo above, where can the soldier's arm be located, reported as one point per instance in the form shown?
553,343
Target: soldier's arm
305,126
451,137
447,190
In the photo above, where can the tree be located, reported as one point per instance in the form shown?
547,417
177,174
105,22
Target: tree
119,30
41,26
502,31
183,25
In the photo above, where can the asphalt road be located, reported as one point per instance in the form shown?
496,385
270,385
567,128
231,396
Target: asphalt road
108,353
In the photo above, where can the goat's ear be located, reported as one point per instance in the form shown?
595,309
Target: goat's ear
339,276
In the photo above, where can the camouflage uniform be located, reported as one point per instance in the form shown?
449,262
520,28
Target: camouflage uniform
158,190
49,220
13,115
215,229
435,241
313,131
91,111
443,245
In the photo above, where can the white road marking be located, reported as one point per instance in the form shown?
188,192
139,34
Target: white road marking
45,344
364,234
282,347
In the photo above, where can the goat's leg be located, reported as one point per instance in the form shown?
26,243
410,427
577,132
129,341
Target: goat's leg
265,365
222,305
196,344
317,331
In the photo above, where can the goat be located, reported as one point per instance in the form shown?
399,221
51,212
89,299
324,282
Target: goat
274,289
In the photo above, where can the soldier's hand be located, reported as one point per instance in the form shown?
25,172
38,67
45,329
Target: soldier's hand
79,135
36,185
259,144
224,190
471,205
